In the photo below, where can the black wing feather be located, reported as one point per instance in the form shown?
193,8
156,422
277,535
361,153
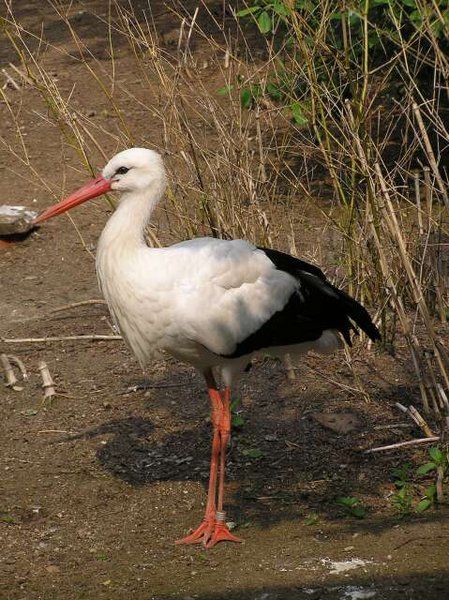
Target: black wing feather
317,305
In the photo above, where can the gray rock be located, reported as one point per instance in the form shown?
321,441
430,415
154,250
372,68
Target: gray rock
16,219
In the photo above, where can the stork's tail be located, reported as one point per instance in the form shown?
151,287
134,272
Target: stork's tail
359,315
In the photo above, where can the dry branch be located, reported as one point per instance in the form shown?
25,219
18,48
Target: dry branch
434,438
77,304
62,338
47,382
10,377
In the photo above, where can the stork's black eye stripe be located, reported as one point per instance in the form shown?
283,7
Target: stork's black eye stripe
122,170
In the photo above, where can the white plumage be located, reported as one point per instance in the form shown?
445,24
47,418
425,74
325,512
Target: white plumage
212,303
195,300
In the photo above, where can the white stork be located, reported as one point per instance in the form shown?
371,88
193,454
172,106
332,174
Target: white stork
209,302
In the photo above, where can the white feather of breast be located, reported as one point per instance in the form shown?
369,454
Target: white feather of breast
138,302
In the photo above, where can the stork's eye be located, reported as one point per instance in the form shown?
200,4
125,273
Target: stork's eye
122,171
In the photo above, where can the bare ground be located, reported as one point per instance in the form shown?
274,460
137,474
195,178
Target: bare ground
97,485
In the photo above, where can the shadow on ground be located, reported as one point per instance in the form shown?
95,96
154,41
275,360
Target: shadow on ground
300,468
422,586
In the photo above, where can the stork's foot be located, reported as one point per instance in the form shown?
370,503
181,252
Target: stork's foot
201,534
210,532
221,533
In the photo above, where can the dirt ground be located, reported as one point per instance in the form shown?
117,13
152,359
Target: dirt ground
96,486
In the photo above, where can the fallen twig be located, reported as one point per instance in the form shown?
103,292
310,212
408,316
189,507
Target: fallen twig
63,338
47,382
76,304
393,426
58,431
21,74
16,360
10,377
434,438
10,81
416,416
289,368
148,386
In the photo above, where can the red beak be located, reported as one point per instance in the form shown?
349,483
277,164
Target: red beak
92,189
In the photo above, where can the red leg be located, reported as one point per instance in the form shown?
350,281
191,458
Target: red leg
204,531
221,532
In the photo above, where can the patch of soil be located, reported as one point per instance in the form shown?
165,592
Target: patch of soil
97,485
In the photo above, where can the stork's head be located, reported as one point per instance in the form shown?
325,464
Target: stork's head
132,170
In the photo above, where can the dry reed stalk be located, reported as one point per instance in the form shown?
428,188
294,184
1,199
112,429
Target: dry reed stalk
47,382
418,202
417,418
62,338
419,441
77,305
430,154
10,377
16,360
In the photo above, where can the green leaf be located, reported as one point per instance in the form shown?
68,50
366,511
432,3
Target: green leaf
410,3
281,9
264,22
225,90
436,455
402,472
431,492
423,505
354,18
29,412
248,11
273,91
311,519
424,469
9,519
297,113
101,556
416,18
246,98
347,501
359,512
252,453
237,421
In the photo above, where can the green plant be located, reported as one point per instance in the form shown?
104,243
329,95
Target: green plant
253,453
237,420
428,499
7,518
439,467
353,507
402,500
311,519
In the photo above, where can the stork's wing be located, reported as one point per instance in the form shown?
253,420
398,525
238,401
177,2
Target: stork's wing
228,291
241,299
315,306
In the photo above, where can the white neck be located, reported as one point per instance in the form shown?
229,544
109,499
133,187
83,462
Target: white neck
125,229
